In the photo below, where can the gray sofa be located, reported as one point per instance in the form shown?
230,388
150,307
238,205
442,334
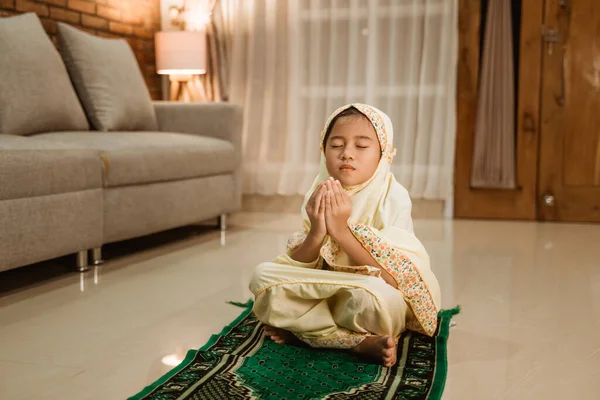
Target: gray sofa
71,179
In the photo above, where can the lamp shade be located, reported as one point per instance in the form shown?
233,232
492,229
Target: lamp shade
180,53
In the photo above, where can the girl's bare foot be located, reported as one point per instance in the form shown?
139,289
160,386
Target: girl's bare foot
281,336
380,348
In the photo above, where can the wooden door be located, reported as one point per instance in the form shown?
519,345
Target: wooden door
569,164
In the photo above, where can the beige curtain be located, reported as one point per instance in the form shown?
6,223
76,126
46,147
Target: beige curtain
295,61
494,150
213,86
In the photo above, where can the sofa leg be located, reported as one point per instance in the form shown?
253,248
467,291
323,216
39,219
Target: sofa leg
97,256
223,222
82,261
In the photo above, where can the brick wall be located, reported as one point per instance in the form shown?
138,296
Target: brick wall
134,20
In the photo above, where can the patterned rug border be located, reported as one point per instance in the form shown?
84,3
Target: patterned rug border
440,374
441,363
189,357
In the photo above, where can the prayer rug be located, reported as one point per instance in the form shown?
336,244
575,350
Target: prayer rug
240,363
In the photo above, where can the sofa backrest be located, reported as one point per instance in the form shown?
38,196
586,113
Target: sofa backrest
36,94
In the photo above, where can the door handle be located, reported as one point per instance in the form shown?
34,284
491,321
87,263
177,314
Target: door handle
549,200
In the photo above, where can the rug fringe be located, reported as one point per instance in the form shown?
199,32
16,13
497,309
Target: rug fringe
247,304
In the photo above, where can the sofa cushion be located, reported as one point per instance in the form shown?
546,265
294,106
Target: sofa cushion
36,94
132,158
31,168
108,80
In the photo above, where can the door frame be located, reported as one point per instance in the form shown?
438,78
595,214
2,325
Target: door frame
520,203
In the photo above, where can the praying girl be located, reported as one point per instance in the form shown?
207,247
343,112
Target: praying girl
355,276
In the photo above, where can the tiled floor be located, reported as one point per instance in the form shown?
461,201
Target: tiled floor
529,328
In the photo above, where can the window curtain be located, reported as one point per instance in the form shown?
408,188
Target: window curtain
211,17
494,150
294,62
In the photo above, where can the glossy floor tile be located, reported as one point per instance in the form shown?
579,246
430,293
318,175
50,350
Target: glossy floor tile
530,295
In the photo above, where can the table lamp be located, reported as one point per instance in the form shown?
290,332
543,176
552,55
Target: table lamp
181,55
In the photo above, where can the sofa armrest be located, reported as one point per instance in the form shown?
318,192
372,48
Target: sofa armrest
218,120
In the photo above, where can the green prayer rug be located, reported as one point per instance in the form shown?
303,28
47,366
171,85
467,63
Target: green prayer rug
239,364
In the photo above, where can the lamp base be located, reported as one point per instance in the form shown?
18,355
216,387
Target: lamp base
180,89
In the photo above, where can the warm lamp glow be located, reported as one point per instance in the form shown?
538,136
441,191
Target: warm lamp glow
196,19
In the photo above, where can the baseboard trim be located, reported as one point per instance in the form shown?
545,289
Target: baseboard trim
422,209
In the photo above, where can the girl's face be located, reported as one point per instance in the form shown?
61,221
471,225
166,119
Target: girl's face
352,151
